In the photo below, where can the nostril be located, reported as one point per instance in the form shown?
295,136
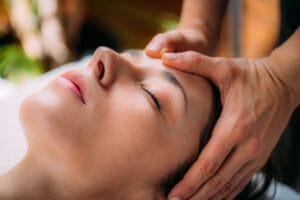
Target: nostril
101,69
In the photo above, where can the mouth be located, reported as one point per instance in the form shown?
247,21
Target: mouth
73,81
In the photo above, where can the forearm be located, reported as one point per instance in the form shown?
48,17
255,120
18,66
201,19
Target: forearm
204,16
285,61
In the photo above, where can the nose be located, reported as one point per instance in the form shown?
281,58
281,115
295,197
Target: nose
106,65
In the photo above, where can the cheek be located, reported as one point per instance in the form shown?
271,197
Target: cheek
125,121
52,116
127,131
134,139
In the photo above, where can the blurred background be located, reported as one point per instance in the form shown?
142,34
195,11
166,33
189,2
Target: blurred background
39,35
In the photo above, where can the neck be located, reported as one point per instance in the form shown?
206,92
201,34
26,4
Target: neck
34,178
31,179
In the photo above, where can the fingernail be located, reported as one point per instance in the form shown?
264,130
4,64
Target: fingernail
171,56
155,47
175,198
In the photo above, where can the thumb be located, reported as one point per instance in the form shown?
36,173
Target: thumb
196,63
160,44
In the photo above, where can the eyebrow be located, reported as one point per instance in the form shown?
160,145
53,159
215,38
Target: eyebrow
172,79
166,74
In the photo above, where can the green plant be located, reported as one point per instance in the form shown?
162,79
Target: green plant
15,65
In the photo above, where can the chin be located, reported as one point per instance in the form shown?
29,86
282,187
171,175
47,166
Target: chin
49,111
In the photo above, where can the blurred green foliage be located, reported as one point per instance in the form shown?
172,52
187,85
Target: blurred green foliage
15,65
133,22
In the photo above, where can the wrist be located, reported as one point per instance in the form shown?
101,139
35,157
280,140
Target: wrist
286,72
285,61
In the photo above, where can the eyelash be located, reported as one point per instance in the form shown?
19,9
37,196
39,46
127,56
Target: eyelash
153,97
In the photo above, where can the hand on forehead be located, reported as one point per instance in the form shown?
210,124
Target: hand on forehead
196,88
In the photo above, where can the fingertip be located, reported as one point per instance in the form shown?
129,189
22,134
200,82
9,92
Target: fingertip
170,59
154,46
154,49
153,54
174,195
181,191
170,56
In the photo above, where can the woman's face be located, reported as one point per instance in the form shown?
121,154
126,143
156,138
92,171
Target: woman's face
125,119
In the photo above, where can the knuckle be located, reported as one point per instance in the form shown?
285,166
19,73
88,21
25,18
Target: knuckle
209,168
216,183
253,148
194,59
191,188
230,69
226,188
233,70
225,72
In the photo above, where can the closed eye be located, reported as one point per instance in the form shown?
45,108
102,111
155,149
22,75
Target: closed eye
152,96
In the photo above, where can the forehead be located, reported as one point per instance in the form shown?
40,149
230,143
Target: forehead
140,59
198,89
190,81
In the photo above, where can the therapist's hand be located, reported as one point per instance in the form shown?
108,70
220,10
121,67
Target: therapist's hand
256,108
179,40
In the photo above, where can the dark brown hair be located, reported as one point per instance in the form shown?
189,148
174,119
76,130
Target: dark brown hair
252,190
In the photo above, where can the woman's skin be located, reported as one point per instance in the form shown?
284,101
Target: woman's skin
98,132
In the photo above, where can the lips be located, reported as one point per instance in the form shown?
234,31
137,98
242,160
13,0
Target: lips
73,81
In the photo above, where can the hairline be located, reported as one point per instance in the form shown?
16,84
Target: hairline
205,134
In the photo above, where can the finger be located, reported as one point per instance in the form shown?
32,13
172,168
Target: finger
239,188
237,178
223,177
210,67
210,159
160,44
